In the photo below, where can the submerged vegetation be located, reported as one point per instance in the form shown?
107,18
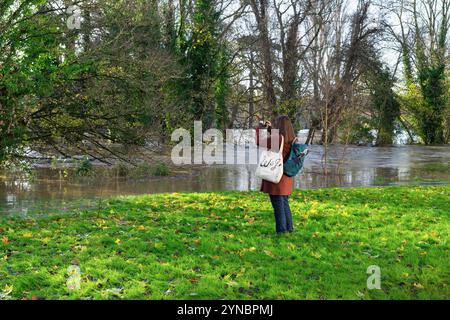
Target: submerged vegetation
85,170
222,245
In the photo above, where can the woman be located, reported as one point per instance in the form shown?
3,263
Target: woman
279,192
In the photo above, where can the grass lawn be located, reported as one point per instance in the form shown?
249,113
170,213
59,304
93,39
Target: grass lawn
222,245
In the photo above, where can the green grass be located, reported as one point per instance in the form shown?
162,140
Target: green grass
222,245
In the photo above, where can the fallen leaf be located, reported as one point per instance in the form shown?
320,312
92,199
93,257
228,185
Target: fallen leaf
46,240
5,293
194,280
417,285
269,253
5,240
292,247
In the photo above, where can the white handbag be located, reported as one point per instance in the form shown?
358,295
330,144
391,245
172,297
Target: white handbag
270,167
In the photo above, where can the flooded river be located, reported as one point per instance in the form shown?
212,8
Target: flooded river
349,166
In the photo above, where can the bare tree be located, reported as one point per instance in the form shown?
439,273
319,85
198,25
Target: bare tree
421,30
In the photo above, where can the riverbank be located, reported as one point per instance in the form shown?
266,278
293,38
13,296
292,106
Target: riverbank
222,245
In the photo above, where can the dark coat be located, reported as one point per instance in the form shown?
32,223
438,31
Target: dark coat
285,186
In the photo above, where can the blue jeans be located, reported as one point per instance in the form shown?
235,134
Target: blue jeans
283,215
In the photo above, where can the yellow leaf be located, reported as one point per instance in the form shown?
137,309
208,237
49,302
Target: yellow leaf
141,228
118,241
46,240
417,285
269,253
28,235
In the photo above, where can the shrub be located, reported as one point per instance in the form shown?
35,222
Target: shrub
84,168
161,169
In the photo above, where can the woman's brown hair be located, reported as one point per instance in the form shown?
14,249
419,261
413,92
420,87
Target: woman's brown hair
284,125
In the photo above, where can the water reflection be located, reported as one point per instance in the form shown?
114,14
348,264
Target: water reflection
348,167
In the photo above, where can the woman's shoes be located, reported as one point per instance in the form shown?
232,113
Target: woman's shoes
279,233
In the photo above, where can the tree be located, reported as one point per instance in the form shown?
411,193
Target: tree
385,103
31,65
60,92
336,62
423,40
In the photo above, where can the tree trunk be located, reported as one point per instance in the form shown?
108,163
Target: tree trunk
259,8
251,102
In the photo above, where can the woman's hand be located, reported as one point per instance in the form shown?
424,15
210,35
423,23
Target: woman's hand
265,125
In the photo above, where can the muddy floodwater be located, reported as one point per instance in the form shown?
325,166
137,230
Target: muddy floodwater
349,166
